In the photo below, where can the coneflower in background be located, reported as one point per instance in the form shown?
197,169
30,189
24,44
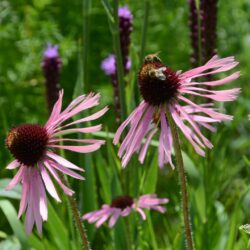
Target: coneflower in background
51,68
123,206
108,65
206,17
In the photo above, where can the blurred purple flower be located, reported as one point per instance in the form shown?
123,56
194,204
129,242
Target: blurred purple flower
108,65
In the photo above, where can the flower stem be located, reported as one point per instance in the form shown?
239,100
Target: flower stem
78,222
182,179
119,64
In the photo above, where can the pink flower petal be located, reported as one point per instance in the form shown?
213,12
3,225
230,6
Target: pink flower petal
17,178
102,220
140,211
67,171
126,211
79,130
127,121
89,118
63,161
24,196
114,218
48,183
79,149
146,145
65,189
56,110
14,164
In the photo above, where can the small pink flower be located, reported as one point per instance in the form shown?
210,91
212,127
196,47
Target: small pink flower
33,147
123,206
161,87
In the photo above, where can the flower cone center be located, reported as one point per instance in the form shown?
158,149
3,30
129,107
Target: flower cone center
158,84
27,143
122,202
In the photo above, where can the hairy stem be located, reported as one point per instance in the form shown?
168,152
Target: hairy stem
78,222
182,179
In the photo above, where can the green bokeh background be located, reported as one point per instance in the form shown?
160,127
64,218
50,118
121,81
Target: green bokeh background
25,29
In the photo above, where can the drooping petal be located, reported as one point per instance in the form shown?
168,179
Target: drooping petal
62,161
102,220
17,178
48,183
114,218
146,145
67,171
140,211
166,139
133,115
140,133
65,189
24,196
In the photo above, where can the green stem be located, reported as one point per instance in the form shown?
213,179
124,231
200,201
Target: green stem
119,65
86,4
182,179
78,222
143,45
144,30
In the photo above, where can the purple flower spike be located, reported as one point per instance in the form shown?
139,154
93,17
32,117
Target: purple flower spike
51,68
51,52
124,12
208,22
108,65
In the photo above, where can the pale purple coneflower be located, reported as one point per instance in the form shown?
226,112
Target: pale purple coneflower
33,147
123,206
162,88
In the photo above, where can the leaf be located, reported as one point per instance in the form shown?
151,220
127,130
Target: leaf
201,202
108,10
14,193
151,179
11,215
10,243
190,168
104,177
58,230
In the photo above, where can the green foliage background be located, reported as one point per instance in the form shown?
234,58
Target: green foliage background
218,185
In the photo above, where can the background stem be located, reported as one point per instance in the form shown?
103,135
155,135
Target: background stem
119,64
182,179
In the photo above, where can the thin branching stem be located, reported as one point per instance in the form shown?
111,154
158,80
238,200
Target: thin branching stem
182,179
